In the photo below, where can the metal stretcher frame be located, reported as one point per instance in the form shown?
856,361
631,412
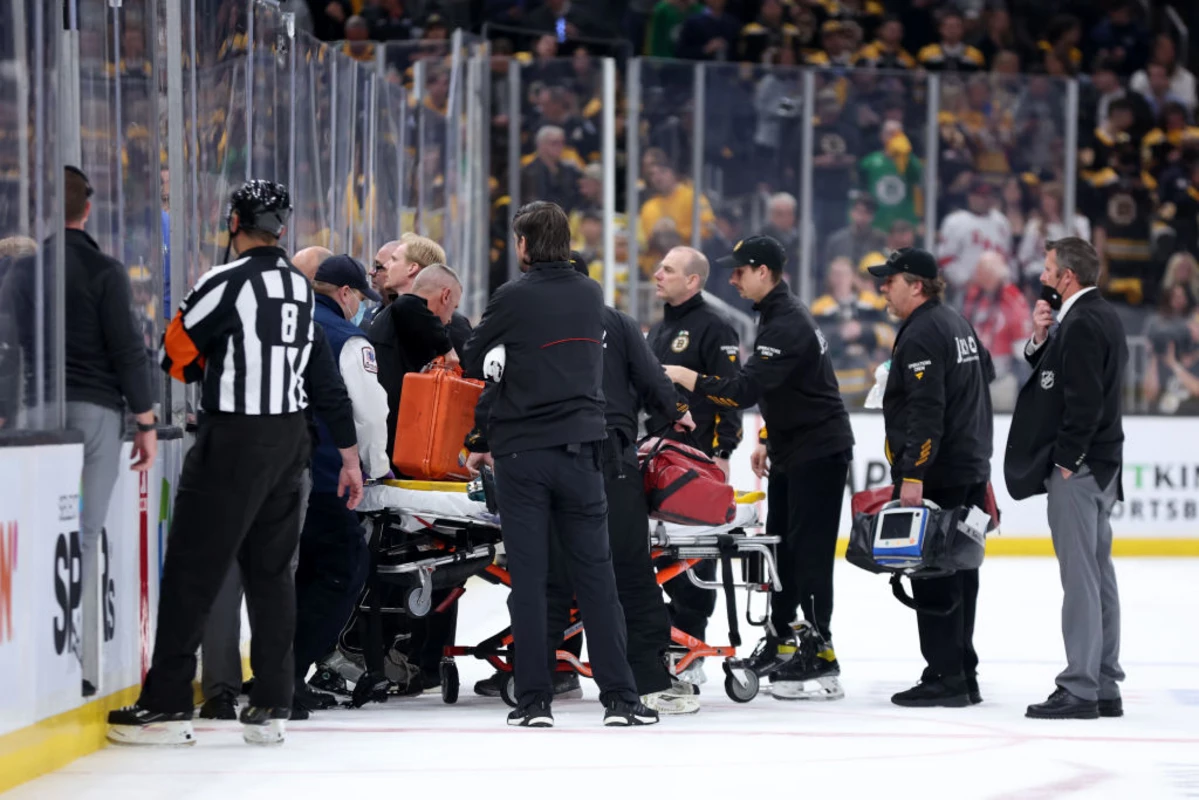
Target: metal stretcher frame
425,506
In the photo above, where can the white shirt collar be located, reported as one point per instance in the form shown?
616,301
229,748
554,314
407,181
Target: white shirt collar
1066,306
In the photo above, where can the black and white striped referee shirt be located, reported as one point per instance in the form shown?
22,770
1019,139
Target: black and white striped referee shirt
246,331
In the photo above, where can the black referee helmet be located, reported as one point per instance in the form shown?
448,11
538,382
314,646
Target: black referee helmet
260,205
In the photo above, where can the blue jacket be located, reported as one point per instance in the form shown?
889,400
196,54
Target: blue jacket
326,460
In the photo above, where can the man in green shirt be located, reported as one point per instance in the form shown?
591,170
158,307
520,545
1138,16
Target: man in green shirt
893,177
664,25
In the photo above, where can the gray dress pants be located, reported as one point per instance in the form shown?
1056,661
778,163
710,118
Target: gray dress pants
1080,522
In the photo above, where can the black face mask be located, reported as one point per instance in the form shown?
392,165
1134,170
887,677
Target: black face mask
1050,296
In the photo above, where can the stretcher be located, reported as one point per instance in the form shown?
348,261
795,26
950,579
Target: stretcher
429,535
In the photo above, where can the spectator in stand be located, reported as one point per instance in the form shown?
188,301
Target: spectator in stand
1100,146
1180,209
996,308
839,40
1016,200
1181,80
1158,94
1106,90
886,52
1182,270
358,40
1123,202
549,176
967,234
1163,148
836,148
1039,125
854,322
1121,39
329,18
951,54
770,31
673,200
665,24
1062,38
710,35
1046,224
1001,37
544,67
388,21
860,237
893,177
557,107
782,224
1171,382
570,20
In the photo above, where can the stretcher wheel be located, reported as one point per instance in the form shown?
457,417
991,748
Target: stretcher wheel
741,689
449,682
418,602
508,690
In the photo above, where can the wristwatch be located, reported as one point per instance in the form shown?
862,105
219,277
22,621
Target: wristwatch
143,427
723,455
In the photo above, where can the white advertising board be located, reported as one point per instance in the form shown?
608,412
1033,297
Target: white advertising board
40,583
1161,477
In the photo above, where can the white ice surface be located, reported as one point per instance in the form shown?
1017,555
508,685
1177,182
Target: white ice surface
860,747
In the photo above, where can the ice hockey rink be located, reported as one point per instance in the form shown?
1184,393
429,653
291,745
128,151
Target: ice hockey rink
860,747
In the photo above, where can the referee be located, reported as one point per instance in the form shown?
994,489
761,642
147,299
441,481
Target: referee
544,433
245,332
789,375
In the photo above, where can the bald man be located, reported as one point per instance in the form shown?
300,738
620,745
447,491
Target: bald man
308,259
694,335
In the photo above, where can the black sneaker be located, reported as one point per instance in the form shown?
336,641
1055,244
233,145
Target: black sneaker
934,693
976,696
622,713
265,726
134,725
1063,705
223,706
536,714
1111,708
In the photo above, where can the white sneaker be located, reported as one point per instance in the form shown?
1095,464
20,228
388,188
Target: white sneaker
671,704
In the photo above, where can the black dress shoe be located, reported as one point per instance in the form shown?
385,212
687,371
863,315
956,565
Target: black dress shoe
972,690
1111,708
1063,705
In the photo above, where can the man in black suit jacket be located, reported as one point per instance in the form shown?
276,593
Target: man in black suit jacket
1067,440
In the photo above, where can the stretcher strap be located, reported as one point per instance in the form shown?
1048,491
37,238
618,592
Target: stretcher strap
659,496
728,546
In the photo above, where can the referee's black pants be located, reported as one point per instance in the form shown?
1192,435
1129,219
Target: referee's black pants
238,497
334,561
646,620
804,510
559,491
947,641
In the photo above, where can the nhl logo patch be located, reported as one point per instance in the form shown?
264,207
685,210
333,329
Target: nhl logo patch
681,341
1047,379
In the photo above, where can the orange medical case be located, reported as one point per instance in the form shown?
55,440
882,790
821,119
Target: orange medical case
437,411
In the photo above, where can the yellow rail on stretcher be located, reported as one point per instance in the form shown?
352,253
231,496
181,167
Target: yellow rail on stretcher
743,498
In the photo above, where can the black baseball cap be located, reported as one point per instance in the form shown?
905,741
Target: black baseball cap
756,251
345,271
911,260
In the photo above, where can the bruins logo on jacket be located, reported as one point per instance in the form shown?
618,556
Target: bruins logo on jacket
680,342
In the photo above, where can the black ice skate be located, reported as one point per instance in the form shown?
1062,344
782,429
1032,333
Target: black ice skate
264,726
812,673
223,706
134,725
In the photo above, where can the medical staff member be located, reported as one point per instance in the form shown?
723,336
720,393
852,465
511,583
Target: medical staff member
937,414
808,443
545,433
333,552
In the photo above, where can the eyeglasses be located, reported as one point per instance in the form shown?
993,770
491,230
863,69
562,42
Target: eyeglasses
378,268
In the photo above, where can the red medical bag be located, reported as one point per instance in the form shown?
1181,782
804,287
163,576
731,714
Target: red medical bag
684,485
